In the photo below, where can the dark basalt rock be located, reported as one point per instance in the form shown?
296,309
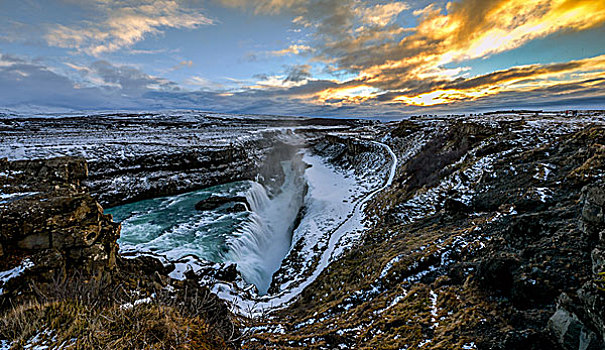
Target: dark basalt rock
405,128
455,207
236,204
496,273
228,273
237,208
569,331
60,227
581,324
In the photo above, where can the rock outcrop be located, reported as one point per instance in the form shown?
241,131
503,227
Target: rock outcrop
48,218
59,260
579,323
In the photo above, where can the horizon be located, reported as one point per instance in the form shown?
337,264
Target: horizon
317,58
384,119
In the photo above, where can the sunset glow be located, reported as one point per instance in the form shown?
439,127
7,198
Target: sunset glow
315,57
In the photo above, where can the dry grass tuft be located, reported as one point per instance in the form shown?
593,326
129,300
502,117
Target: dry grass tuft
77,313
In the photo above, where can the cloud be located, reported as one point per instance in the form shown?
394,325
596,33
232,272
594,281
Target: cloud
380,65
121,24
182,64
412,61
265,6
329,16
537,77
292,49
381,14
127,80
26,83
298,73
203,83
130,80
279,82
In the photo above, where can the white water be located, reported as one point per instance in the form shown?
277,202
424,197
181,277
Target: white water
256,241
327,189
259,247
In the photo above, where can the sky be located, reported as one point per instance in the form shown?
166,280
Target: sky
346,58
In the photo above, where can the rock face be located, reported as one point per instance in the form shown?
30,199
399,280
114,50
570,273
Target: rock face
581,324
50,219
571,333
141,177
139,156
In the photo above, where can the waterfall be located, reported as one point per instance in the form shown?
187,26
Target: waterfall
257,197
261,243
256,240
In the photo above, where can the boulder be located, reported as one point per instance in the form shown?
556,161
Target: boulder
593,223
455,207
598,260
571,333
228,273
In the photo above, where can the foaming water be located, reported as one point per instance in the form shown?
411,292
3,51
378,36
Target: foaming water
262,242
256,240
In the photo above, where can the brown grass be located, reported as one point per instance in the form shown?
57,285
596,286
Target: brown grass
145,326
77,313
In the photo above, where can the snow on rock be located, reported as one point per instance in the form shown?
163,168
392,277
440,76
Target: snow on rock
7,275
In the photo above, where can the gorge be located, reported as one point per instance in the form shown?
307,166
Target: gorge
475,232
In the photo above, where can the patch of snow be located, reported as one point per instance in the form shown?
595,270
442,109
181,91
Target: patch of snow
434,310
9,197
395,301
128,306
543,171
5,344
41,341
424,342
389,265
7,275
543,193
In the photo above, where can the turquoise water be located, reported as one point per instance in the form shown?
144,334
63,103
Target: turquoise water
171,226
256,240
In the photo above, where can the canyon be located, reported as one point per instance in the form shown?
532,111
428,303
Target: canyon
467,232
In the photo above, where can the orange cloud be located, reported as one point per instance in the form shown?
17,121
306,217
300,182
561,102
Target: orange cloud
292,49
424,65
348,94
525,78
415,66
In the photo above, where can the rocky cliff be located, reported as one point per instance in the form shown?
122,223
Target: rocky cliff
579,322
63,284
